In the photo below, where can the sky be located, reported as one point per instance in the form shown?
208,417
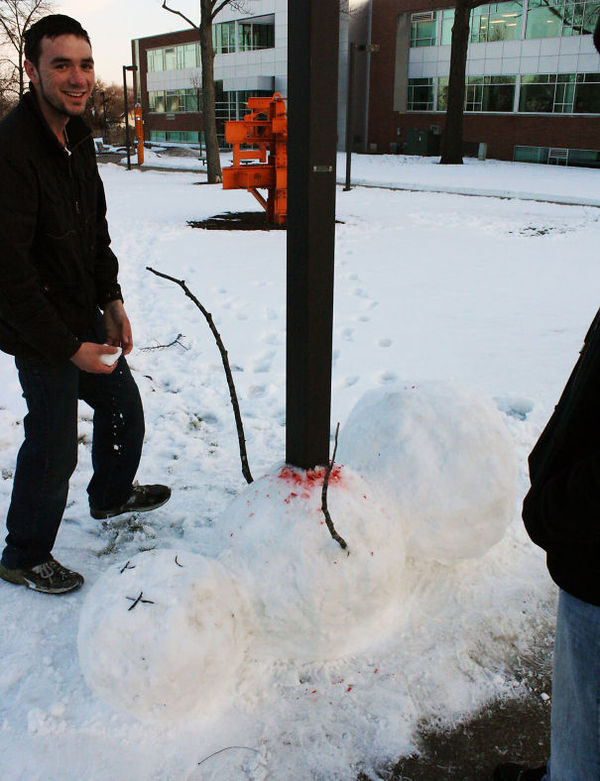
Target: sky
112,24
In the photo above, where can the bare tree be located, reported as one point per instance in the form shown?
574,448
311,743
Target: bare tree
209,9
16,17
452,141
106,109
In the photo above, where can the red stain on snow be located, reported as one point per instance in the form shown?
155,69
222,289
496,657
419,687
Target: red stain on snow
306,479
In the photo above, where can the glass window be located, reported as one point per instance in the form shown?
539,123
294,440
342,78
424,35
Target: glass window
530,154
158,135
587,94
423,28
420,95
188,100
554,18
447,24
172,101
498,22
170,59
187,56
252,35
563,93
156,101
224,37
442,94
537,93
155,60
482,93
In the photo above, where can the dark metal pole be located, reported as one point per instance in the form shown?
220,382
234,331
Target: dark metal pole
104,122
126,107
349,114
313,40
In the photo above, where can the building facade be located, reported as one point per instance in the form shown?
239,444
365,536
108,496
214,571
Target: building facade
250,59
532,81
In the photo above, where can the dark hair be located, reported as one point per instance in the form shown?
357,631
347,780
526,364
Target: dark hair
50,27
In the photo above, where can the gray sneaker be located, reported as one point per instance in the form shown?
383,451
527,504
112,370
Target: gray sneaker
141,499
49,577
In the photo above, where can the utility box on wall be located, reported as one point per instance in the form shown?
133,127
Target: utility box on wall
422,142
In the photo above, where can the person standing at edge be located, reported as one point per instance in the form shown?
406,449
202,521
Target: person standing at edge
61,310
562,515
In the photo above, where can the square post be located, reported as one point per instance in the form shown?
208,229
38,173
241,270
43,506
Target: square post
313,42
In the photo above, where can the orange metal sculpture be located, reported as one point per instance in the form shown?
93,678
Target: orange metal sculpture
139,132
263,135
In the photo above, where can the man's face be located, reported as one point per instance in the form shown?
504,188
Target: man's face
64,76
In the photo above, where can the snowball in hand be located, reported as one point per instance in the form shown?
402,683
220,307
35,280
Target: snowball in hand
178,649
109,358
441,459
311,599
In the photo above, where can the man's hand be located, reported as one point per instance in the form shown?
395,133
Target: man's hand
118,327
87,358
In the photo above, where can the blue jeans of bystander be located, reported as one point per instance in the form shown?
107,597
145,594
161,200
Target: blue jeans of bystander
575,739
48,455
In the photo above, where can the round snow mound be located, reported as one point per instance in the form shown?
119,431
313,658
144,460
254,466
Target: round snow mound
314,600
162,634
441,459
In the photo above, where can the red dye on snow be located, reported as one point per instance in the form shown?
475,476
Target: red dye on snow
306,479
349,689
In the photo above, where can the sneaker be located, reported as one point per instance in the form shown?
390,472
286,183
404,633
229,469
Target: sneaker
49,577
141,499
512,772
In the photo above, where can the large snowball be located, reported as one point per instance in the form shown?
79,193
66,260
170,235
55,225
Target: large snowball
312,599
172,654
440,458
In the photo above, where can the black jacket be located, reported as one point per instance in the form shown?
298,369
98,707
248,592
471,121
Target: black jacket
56,266
562,509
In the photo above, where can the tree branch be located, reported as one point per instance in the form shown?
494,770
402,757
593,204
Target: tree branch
183,16
224,358
340,540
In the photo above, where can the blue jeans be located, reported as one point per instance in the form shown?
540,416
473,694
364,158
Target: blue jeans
48,454
575,738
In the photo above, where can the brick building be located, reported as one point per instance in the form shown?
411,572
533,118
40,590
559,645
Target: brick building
533,79
532,91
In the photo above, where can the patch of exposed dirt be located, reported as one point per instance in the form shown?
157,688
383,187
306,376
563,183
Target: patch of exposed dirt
237,221
514,730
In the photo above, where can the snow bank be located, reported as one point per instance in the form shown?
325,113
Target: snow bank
441,459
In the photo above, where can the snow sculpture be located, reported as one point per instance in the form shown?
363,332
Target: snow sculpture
163,635
440,458
312,600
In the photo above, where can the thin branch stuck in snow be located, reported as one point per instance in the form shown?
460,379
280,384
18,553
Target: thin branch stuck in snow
342,542
226,366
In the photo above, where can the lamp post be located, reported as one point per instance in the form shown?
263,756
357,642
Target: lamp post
126,107
104,122
352,47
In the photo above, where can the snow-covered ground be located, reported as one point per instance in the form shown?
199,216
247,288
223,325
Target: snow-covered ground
492,296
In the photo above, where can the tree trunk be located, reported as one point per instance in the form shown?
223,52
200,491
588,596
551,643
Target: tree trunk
209,118
21,69
452,141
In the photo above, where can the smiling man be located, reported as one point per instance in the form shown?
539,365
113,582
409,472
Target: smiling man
61,311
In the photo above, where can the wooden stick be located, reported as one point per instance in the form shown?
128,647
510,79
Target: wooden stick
224,358
340,540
